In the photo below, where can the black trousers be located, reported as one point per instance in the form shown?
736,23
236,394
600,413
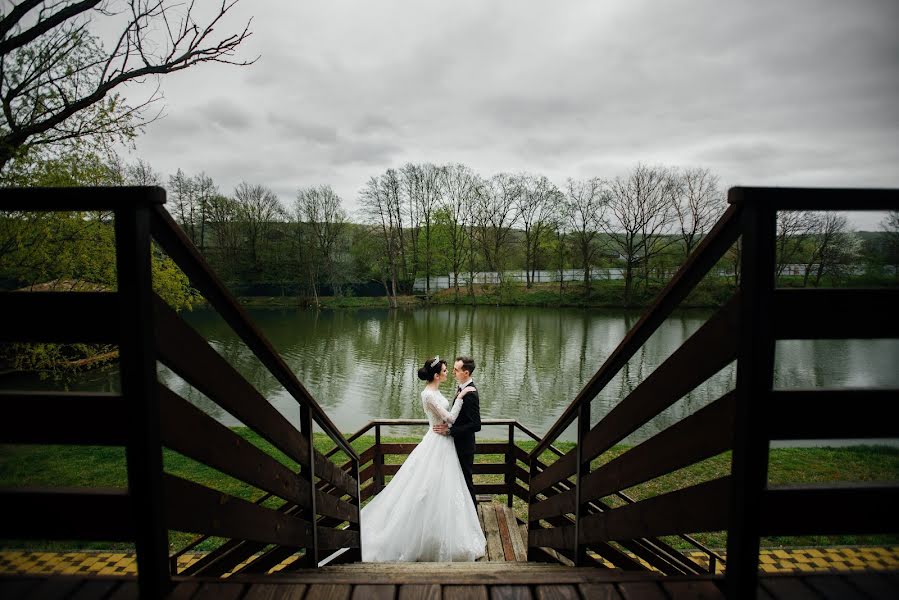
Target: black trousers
466,460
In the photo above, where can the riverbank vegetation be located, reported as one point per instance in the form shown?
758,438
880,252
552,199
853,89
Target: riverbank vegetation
105,466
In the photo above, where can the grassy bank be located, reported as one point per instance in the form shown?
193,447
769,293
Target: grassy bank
102,466
602,294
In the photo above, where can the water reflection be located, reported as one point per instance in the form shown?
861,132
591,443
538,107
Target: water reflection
531,362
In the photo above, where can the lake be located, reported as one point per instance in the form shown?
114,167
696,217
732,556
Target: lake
531,362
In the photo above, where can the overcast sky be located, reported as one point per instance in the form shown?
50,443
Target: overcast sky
762,93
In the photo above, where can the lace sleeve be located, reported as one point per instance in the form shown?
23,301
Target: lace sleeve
449,417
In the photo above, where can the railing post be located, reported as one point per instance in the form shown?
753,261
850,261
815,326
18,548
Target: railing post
308,473
510,465
378,462
532,472
583,427
755,373
137,360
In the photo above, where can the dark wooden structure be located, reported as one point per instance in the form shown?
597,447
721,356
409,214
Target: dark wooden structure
569,510
576,513
319,507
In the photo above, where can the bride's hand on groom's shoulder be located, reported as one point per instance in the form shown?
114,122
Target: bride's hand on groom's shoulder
466,390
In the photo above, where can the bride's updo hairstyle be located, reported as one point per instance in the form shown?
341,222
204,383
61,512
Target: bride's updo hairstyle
427,372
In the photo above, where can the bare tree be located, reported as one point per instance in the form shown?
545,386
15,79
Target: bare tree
537,208
793,228
57,80
204,190
697,203
141,173
423,189
381,207
584,210
831,245
181,191
224,224
257,208
320,209
459,186
890,227
495,217
641,215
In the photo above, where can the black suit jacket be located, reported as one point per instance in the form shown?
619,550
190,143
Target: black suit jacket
468,421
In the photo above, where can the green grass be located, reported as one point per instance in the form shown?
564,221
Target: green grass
105,467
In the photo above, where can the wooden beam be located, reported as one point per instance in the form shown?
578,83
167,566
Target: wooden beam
82,418
81,198
790,410
831,509
60,317
102,514
835,313
787,198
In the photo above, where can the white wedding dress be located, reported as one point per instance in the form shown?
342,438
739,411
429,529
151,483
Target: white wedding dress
425,512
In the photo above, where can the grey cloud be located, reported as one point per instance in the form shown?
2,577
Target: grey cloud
365,152
304,130
227,113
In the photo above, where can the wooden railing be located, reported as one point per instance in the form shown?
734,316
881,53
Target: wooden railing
319,507
566,511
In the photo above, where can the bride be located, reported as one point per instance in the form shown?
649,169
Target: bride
425,513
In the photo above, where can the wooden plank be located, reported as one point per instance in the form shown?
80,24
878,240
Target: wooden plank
510,592
702,355
185,351
835,313
88,418
491,447
102,514
47,317
755,379
788,587
93,589
689,590
641,590
702,507
827,509
419,592
874,585
373,592
518,543
464,592
195,508
556,592
79,198
179,247
405,448
712,247
127,590
333,474
18,587
796,198
490,488
504,534
491,531
219,591
273,591
332,539
488,469
706,433
599,591
193,433
183,590
833,586
832,421
551,537
324,591
54,588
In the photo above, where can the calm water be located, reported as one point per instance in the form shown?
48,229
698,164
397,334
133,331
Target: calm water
531,362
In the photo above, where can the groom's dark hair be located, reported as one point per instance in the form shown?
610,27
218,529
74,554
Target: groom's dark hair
467,363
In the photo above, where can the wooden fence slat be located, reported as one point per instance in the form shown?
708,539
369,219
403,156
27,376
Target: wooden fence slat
706,433
551,537
835,313
702,507
179,247
102,514
333,474
47,317
196,508
332,539
193,433
790,412
829,509
80,198
702,355
185,351
794,198
87,418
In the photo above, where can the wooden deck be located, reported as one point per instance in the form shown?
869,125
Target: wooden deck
457,581
506,538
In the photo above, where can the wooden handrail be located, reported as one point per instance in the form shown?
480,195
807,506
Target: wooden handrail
706,255
179,247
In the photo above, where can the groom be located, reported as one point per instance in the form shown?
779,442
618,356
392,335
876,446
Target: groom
468,421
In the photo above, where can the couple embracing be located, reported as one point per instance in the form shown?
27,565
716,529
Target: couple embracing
427,511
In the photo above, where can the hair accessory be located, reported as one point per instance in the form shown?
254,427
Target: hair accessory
435,361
